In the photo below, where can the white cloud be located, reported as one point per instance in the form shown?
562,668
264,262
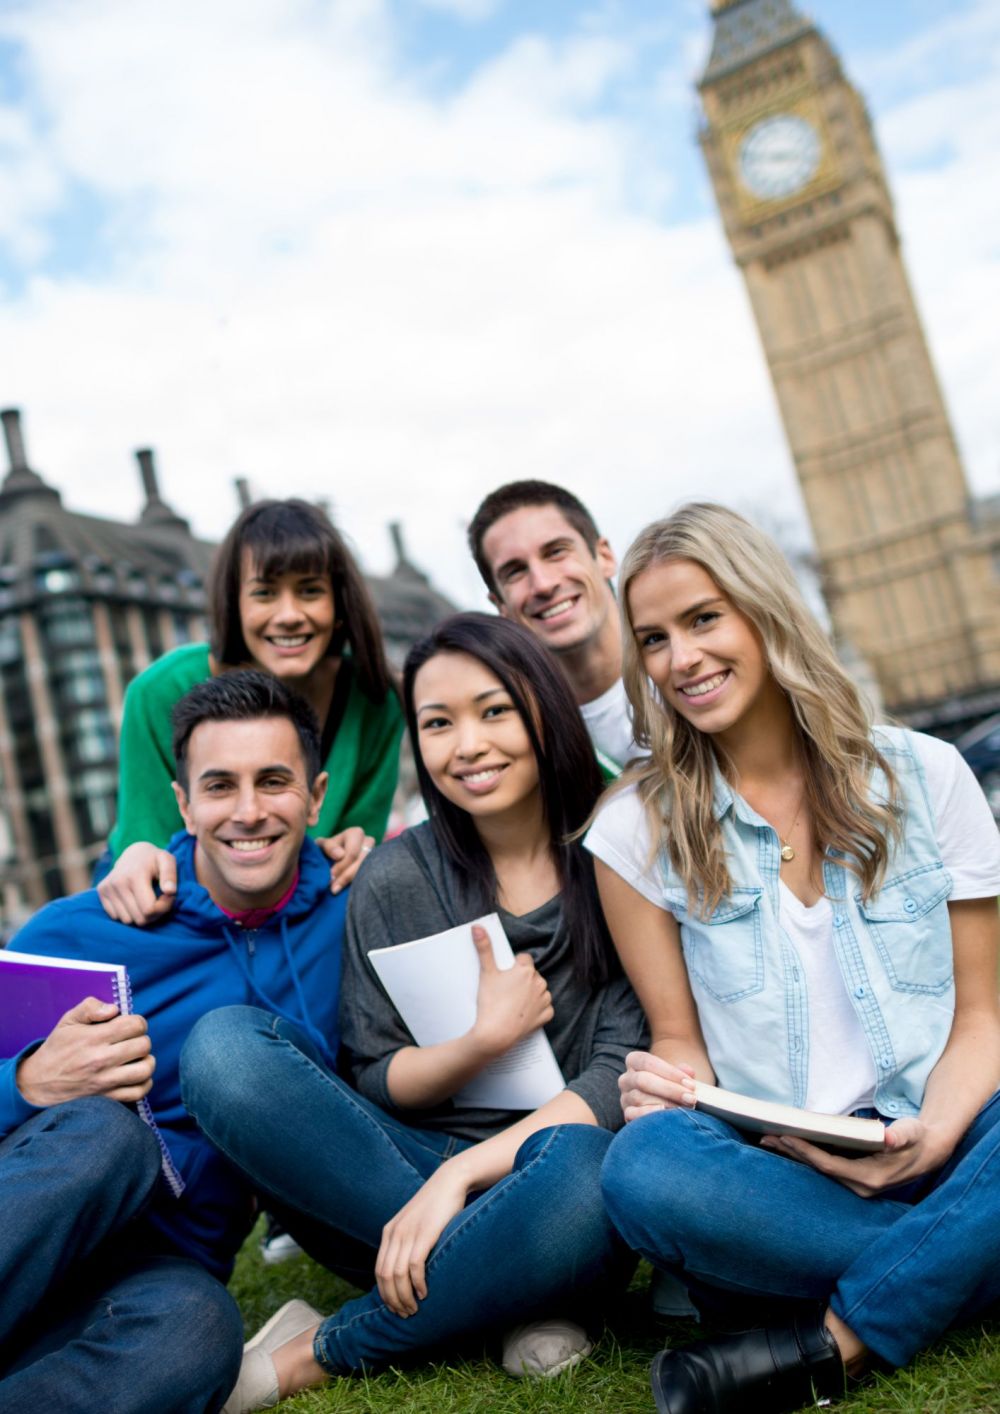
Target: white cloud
30,188
324,279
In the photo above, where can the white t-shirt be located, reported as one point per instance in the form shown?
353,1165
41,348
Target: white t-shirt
608,720
842,1076
841,1073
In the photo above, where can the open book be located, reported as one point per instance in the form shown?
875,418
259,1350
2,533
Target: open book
866,1136
432,982
36,992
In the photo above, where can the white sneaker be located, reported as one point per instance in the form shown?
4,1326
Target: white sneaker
543,1348
257,1385
279,1248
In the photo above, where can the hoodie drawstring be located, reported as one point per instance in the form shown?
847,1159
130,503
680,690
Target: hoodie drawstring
305,1020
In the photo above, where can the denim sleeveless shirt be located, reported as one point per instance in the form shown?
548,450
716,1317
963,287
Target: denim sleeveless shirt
894,952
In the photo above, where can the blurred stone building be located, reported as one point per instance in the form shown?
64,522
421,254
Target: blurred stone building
85,604
909,563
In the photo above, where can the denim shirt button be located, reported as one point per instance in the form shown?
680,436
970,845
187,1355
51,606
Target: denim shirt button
891,1106
910,905
904,978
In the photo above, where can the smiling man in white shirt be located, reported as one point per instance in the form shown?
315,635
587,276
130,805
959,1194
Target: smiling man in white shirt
546,566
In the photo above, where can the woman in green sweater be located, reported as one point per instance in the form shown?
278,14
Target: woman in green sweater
287,598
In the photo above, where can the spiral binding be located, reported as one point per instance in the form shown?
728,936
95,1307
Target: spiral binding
170,1171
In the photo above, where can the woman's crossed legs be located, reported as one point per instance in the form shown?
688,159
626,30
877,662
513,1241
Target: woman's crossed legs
536,1239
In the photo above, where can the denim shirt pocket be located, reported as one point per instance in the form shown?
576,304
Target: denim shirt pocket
725,951
909,925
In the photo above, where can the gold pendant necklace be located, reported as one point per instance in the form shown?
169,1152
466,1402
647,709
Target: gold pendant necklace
787,852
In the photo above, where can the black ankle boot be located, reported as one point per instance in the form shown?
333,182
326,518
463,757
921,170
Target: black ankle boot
754,1372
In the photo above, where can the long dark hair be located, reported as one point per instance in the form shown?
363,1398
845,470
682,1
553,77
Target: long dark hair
569,778
293,536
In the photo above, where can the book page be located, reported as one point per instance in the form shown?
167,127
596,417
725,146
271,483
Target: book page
71,964
433,981
848,1132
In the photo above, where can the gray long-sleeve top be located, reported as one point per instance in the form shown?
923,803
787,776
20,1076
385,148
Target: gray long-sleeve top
409,889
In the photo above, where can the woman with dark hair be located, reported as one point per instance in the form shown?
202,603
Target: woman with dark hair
286,597
471,1218
567,782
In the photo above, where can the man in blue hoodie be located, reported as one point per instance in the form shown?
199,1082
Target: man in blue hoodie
111,1292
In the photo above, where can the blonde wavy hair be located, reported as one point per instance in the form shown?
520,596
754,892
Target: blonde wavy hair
833,724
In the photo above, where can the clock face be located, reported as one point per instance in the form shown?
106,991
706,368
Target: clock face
778,156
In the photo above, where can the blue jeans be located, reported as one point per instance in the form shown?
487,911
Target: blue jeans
537,1239
692,1193
94,1314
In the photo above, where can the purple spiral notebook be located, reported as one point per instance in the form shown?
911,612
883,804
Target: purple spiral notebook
36,991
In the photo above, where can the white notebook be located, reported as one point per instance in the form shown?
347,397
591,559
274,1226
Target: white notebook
432,982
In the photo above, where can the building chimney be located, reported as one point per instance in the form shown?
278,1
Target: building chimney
156,511
243,496
144,456
396,531
14,438
20,480
404,565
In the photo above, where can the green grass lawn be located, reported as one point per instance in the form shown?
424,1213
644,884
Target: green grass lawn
961,1375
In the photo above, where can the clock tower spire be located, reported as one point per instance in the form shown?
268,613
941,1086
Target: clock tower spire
807,209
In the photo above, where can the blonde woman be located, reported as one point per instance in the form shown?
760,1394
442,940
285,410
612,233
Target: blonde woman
806,907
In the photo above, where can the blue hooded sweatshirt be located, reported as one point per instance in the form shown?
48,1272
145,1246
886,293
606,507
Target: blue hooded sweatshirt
186,964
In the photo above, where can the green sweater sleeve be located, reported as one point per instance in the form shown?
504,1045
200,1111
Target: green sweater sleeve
146,806
363,766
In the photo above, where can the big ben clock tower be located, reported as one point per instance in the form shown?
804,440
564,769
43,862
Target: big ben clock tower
911,583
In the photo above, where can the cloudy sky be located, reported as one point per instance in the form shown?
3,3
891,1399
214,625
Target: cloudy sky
394,252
